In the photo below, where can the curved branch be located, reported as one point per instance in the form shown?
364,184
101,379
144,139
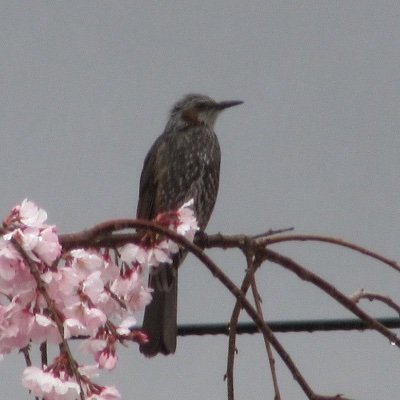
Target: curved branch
103,235
339,242
362,294
253,264
309,276
264,328
98,232
233,323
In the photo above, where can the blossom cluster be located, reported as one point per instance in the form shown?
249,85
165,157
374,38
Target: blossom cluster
47,295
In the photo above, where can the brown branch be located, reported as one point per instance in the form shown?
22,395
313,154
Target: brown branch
232,332
253,264
239,241
362,294
224,279
27,357
43,353
232,336
339,242
97,233
309,276
101,234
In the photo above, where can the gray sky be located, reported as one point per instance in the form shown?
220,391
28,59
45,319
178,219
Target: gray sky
86,88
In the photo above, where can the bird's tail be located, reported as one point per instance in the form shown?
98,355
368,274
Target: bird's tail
160,317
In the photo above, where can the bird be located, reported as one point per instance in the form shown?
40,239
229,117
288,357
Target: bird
182,164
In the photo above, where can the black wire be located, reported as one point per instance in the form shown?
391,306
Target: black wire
285,326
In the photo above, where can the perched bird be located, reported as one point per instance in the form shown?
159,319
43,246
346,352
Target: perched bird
182,164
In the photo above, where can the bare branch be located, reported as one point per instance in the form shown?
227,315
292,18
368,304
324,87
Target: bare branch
339,242
362,294
27,357
224,279
309,276
108,234
252,265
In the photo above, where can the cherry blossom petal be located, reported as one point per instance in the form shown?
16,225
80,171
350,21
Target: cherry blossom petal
125,325
132,253
30,214
107,360
44,329
45,384
48,248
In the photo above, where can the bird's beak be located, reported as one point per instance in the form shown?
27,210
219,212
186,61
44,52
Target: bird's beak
228,103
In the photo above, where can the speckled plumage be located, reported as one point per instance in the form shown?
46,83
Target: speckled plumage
183,163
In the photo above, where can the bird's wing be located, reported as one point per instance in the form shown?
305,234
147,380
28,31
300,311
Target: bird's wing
165,184
148,184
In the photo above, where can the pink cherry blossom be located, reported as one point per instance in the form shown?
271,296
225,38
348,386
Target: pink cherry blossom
47,385
107,360
132,254
40,245
85,262
62,286
82,320
131,290
9,260
188,223
15,277
14,320
30,214
48,248
93,287
103,350
88,290
127,323
44,329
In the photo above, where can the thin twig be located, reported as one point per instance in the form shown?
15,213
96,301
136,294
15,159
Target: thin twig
232,350
309,276
252,265
362,294
224,279
272,232
27,357
238,241
103,235
339,242
233,323
43,353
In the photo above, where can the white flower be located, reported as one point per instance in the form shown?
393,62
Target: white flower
46,385
125,325
132,253
31,215
188,223
48,248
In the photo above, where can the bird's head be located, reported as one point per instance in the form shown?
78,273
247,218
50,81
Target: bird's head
197,109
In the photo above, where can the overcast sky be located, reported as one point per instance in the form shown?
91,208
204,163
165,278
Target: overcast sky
86,87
